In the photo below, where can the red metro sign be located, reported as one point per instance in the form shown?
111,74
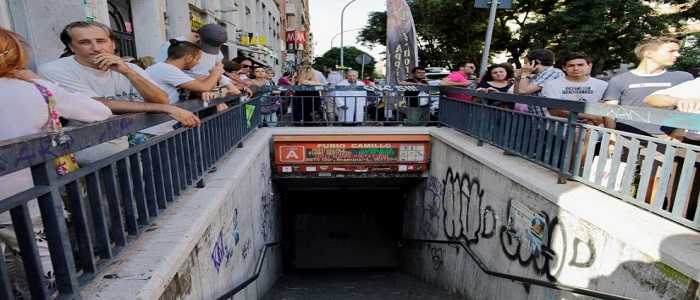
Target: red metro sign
296,39
336,154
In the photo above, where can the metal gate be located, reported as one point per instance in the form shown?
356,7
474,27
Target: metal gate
120,20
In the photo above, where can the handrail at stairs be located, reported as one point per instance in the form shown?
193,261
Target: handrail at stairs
258,268
525,280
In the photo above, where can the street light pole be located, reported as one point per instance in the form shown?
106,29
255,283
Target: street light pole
342,15
338,34
489,33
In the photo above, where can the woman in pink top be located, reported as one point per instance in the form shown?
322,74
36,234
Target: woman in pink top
458,78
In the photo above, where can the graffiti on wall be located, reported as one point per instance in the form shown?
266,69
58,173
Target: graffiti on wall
533,238
465,217
430,212
437,255
245,248
236,230
532,246
267,199
220,253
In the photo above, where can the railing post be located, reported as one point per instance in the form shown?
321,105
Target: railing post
57,236
565,163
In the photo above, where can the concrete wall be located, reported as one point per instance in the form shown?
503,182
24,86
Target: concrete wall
208,241
488,201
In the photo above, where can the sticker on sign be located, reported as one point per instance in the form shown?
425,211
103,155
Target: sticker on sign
412,153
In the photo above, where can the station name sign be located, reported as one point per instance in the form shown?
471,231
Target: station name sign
334,154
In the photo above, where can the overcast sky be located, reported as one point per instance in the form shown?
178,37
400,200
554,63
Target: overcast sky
325,23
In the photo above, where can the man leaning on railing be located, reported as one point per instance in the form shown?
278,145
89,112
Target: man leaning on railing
95,71
684,97
655,54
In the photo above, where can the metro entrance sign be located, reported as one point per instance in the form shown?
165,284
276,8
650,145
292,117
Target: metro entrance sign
330,155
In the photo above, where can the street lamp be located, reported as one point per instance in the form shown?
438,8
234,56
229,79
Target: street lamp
337,34
342,15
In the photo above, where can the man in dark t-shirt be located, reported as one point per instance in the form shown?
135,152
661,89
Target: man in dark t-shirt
417,78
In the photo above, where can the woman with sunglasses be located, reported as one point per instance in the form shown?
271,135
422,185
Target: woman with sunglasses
236,73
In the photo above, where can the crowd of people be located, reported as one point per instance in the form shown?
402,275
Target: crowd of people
650,84
90,82
192,67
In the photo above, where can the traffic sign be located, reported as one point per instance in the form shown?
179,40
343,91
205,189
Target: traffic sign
502,4
364,59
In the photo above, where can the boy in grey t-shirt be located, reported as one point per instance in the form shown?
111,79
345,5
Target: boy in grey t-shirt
630,88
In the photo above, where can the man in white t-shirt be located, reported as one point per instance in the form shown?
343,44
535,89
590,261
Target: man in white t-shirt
209,38
171,77
577,85
95,71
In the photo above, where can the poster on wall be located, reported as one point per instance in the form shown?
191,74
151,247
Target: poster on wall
402,48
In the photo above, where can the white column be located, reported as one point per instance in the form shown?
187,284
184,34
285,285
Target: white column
41,22
149,26
101,11
178,13
5,17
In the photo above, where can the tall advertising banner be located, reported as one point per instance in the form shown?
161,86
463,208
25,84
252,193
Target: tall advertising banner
402,48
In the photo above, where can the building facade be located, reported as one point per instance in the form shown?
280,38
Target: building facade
298,34
256,28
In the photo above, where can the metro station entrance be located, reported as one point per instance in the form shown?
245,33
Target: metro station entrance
342,197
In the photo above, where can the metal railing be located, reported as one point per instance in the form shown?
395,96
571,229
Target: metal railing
258,268
656,174
525,280
90,215
344,105
107,203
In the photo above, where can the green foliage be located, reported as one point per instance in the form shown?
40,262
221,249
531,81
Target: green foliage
375,31
607,30
332,58
690,55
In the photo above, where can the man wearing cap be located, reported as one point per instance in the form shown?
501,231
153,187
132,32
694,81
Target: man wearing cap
209,38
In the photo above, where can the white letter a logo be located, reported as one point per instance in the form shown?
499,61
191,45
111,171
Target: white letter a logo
292,154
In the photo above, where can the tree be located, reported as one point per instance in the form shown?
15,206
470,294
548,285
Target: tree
607,30
445,28
690,55
375,31
332,58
